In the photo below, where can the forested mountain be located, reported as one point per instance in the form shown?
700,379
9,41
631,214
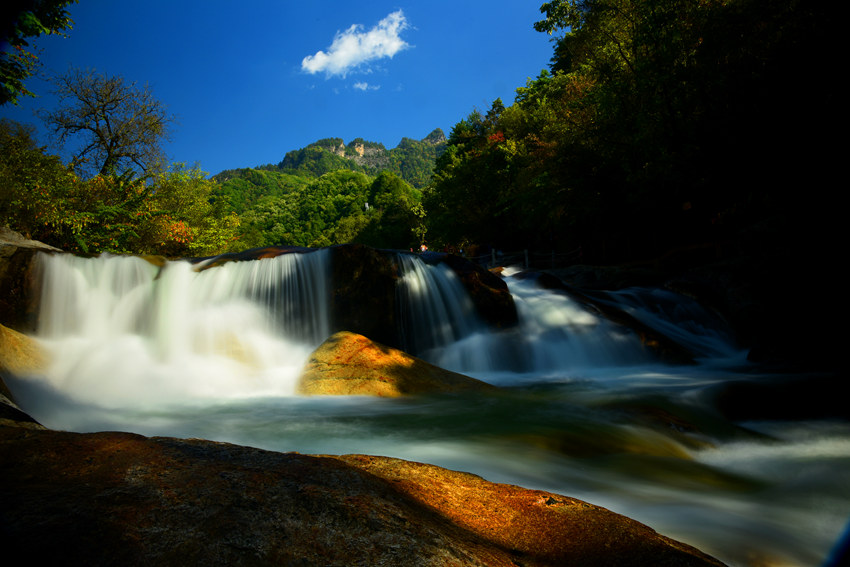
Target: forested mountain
329,192
412,160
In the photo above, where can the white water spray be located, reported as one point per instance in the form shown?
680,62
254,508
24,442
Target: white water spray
123,332
215,354
434,308
555,334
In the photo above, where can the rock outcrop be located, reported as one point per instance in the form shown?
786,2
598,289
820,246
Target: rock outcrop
19,356
363,293
488,291
19,292
349,364
123,499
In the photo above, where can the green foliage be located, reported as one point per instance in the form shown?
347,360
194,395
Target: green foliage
411,160
241,189
659,125
194,223
339,207
18,61
33,187
316,161
414,160
171,214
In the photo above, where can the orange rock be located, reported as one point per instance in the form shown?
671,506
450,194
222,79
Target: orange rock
348,364
123,499
19,354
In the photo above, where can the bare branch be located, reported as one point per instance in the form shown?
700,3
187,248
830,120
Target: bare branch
116,126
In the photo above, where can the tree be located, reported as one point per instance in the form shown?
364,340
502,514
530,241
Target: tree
33,186
118,126
22,20
190,223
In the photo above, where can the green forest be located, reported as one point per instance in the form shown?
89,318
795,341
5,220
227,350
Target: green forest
659,124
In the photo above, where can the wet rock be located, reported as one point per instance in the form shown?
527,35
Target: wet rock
351,364
488,291
19,279
19,356
363,293
123,499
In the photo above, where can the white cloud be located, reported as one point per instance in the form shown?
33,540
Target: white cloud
366,87
354,47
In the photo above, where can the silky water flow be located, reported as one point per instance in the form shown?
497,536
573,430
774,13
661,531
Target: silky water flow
584,409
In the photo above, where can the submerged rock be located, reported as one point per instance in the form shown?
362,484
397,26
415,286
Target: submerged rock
123,499
350,364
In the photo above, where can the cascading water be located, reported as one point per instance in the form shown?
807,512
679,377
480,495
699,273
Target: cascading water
554,335
586,411
434,309
123,331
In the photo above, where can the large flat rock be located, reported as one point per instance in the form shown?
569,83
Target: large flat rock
123,499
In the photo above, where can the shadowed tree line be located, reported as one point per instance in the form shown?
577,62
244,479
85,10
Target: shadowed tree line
659,124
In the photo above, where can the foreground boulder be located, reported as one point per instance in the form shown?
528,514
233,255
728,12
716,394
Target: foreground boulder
350,364
124,499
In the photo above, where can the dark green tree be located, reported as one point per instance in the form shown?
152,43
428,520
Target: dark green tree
22,20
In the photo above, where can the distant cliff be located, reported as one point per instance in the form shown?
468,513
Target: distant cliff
412,160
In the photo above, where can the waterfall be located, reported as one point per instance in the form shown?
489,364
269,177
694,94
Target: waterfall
434,308
555,334
123,325
123,330
214,352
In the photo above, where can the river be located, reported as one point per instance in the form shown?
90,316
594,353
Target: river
583,409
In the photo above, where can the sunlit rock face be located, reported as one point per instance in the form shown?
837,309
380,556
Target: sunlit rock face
20,355
124,499
351,364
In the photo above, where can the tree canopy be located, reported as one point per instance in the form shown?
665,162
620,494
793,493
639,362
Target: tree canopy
21,20
659,123
114,125
171,214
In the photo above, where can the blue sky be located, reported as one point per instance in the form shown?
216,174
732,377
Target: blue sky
250,80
